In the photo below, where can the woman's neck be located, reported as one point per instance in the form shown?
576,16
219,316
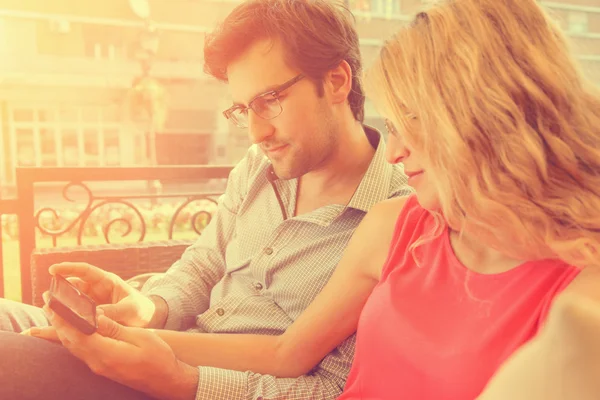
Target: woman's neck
477,256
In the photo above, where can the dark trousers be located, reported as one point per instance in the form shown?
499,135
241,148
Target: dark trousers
35,369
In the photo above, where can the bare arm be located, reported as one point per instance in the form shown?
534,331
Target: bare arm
161,312
331,318
563,361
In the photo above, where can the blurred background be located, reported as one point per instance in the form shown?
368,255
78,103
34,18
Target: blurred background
119,83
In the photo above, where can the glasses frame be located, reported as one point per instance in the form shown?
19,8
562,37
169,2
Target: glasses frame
275,93
391,128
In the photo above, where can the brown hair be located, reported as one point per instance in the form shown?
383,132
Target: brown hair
317,36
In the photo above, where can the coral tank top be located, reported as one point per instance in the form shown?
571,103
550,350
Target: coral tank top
438,330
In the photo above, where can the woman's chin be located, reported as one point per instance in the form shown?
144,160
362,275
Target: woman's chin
427,200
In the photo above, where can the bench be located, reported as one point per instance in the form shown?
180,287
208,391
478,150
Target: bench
134,262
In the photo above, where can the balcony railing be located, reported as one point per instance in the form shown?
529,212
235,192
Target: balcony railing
100,188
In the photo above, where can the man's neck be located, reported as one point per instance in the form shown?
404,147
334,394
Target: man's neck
336,180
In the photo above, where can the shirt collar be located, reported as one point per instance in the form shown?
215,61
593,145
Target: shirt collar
374,187
375,184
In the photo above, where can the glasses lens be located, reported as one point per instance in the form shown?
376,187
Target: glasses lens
239,117
391,129
267,107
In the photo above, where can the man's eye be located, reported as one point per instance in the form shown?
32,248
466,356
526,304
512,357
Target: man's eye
271,99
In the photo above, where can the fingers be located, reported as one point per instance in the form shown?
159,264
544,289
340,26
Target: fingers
84,271
80,284
62,329
111,329
89,279
46,333
103,351
116,312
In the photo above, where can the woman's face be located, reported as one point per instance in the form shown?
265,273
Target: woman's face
399,151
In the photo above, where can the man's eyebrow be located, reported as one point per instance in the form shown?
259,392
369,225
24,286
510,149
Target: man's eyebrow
265,90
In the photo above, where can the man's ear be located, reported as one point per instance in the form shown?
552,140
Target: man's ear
338,82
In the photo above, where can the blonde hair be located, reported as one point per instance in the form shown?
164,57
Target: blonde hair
509,125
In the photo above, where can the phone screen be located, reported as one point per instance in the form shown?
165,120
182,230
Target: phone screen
78,302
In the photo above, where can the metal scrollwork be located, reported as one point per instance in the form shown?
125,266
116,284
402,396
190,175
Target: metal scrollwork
106,229
55,233
118,221
83,217
195,218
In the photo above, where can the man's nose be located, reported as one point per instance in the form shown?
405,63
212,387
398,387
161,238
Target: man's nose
259,129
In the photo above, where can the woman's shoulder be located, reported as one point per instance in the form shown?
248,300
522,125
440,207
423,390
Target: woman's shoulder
398,212
395,207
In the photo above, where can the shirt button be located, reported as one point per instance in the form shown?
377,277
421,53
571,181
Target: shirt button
258,286
220,312
268,251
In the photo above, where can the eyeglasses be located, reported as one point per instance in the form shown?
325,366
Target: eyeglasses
265,105
391,129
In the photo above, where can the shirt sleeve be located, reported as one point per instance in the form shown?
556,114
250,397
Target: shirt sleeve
187,285
325,382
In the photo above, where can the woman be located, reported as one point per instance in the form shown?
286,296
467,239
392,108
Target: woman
499,135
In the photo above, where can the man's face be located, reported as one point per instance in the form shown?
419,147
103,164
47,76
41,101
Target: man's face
302,137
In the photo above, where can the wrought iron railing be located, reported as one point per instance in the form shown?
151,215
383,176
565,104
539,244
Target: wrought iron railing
210,180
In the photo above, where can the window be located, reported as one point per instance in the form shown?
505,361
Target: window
70,142
578,22
140,149
48,147
46,115
67,135
112,153
104,42
91,154
25,147
23,115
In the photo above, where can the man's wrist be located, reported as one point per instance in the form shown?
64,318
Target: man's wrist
161,312
185,384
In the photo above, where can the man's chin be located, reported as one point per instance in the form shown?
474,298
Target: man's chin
284,172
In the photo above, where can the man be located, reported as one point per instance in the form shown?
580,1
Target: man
290,207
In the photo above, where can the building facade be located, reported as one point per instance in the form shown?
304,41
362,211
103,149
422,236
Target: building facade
69,70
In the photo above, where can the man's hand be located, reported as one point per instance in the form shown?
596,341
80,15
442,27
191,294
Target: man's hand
134,357
117,299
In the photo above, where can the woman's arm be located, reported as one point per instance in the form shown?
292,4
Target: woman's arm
329,320
563,361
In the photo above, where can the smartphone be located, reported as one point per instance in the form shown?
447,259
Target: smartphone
75,307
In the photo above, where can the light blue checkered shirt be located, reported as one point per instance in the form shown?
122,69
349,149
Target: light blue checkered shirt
253,272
